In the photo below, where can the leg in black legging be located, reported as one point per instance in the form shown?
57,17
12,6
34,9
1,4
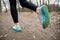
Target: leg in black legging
25,3
13,10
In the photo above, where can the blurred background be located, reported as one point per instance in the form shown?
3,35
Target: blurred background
29,21
51,4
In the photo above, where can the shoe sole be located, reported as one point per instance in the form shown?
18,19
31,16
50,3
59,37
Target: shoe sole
44,16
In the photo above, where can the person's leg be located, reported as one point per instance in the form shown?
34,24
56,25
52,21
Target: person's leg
13,10
42,11
27,4
14,13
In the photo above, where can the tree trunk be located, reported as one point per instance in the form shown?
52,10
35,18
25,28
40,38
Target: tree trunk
43,2
0,7
40,2
5,5
58,2
48,2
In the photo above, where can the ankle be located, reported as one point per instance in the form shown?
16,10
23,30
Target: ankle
17,24
37,10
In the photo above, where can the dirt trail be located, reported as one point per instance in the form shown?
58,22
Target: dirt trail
32,29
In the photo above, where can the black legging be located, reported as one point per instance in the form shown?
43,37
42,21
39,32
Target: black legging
23,3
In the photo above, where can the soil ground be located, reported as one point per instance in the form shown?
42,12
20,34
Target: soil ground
31,27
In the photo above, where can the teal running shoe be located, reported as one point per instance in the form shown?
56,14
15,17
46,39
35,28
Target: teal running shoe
44,16
17,29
